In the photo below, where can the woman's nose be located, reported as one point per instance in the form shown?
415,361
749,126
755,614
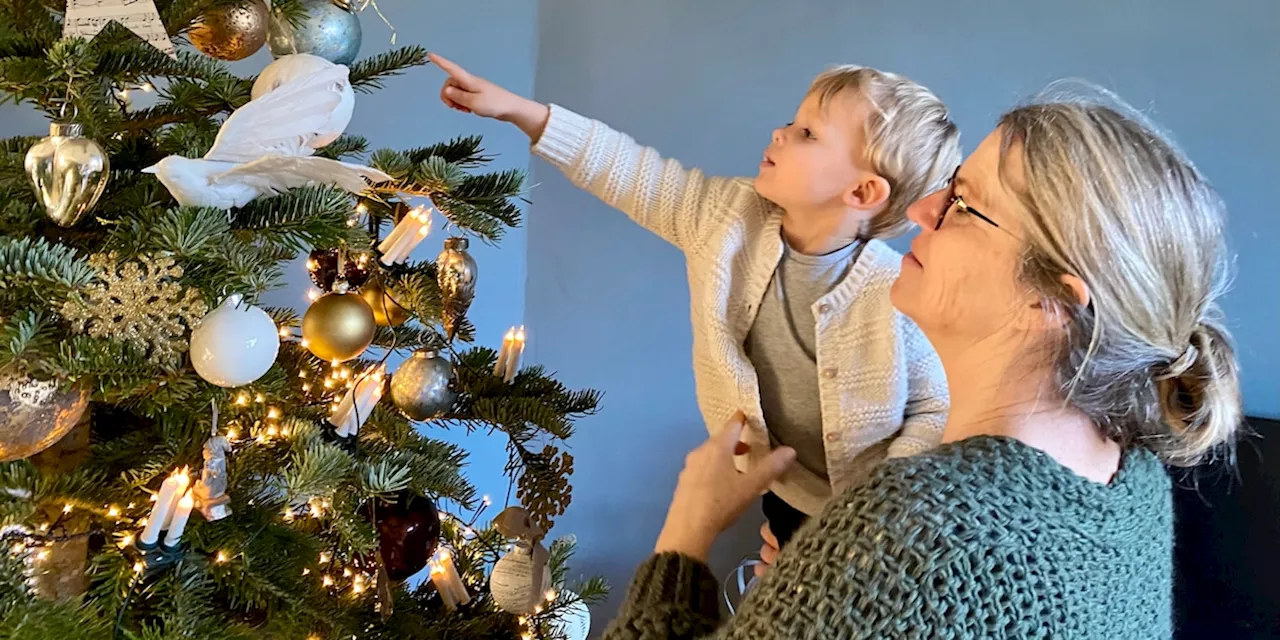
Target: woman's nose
926,210
776,138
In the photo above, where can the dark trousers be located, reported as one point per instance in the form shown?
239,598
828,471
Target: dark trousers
783,518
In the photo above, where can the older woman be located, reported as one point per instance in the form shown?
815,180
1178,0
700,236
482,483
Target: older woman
1068,278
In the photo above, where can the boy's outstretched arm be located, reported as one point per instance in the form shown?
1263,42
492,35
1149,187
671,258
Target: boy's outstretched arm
678,204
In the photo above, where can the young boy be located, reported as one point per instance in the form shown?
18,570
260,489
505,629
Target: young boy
789,281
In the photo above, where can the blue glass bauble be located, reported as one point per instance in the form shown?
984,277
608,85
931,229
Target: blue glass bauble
330,31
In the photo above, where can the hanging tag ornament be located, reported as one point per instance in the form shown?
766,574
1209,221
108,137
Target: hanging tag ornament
68,172
456,276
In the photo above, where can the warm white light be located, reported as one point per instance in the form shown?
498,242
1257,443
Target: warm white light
285,333
113,512
221,558
126,540
325,557
66,509
327,581
273,413
313,295
312,265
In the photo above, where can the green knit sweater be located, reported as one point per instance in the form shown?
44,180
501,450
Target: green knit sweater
984,538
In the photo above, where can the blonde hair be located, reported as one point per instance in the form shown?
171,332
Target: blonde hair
910,139
1115,203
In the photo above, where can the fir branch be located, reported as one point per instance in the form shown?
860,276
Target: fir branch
386,477
309,217
463,151
316,470
34,262
26,336
369,74
290,11
346,145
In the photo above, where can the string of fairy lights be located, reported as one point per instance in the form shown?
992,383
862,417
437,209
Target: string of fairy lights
265,425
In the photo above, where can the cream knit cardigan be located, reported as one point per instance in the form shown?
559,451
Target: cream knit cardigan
882,387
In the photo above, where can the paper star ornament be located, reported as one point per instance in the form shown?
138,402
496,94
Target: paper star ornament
85,18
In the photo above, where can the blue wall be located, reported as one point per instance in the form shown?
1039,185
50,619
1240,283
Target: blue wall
706,81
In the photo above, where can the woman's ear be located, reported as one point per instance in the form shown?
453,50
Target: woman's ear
1079,290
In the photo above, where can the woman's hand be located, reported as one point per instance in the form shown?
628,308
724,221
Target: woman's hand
472,94
768,550
712,494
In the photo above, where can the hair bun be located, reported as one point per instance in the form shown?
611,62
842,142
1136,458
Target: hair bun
1199,395
1180,365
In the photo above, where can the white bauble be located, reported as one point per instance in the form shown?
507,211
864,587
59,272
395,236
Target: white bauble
235,344
574,621
298,65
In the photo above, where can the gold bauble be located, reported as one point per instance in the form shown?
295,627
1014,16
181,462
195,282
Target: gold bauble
232,32
385,310
338,326
35,414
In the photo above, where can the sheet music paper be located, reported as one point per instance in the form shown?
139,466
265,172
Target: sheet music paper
85,18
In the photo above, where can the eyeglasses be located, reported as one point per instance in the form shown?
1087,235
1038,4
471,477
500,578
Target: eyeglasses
956,201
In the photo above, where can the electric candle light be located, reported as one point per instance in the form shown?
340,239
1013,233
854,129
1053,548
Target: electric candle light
358,402
167,500
179,523
444,575
406,236
504,353
513,358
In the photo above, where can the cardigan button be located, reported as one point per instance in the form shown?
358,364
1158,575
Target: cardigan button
824,308
829,373
832,437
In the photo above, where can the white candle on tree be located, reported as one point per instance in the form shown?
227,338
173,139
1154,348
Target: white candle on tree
166,502
513,358
444,575
500,367
407,235
180,516
365,395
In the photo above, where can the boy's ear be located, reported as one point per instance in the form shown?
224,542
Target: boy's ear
870,193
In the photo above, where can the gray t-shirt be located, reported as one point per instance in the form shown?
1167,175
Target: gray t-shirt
782,346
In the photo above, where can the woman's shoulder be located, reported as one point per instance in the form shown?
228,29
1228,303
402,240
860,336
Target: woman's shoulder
990,481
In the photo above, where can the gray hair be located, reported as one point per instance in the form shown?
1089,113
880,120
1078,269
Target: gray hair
1115,203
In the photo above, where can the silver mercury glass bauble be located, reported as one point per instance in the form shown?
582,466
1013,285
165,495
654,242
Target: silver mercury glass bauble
68,172
35,414
423,387
456,276
330,30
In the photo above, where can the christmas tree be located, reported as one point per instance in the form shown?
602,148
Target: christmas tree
181,461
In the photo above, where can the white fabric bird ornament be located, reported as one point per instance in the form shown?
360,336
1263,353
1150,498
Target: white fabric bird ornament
264,148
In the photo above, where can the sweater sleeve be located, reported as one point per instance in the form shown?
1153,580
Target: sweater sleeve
925,413
658,193
879,562
671,596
